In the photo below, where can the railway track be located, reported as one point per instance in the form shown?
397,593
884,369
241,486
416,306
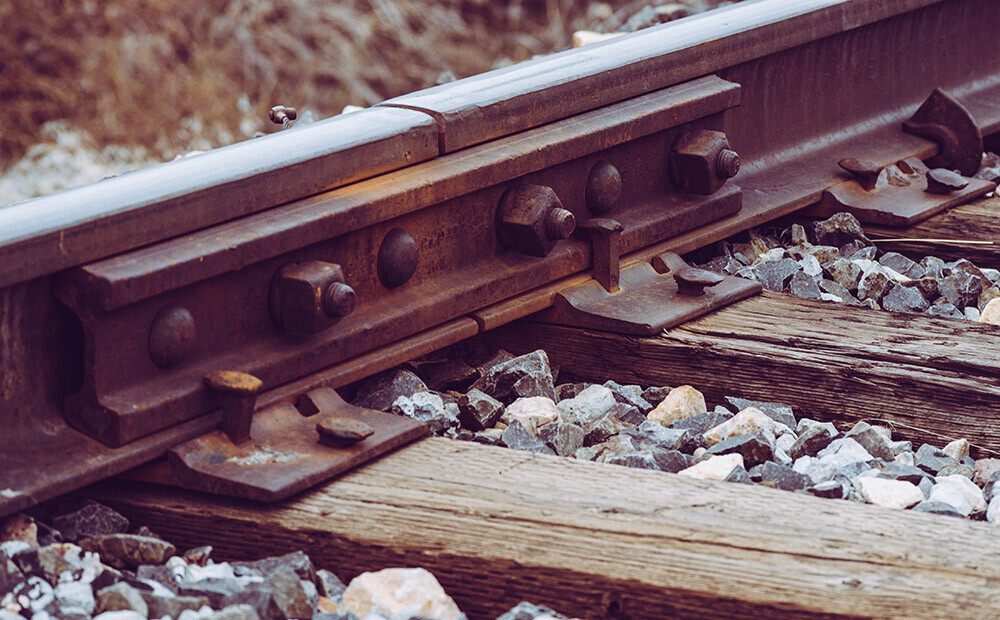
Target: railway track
207,307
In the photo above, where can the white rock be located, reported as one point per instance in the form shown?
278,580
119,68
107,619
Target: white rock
972,493
785,442
993,510
124,614
810,266
991,312
714,468
75,594
957,449
830,297
889,493
399,594
699,452
951,495
807,423
747,422
906,458
814,468
847,450
682,402
782,457
532,412
972,314
771,255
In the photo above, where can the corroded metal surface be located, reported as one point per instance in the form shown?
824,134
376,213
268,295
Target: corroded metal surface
169,271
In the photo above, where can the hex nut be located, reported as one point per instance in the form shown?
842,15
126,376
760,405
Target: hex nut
701,162
309,297
531,219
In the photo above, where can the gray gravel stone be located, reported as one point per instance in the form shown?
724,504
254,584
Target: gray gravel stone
901,264
945,309
961,289
288,594
429,408
701,422
602,429
832,489
740,475
937,508
478,410
957,468
652,435
804,285
381,391
873,285
627,414
904,299
775,275
810,441
121,596
782,477
871,440
933,267
839,229
629,395
564,439
519,438
755,448
906,473
94,519
526,375
839,290
671,461
931,460
655,395
637,460
528,611
776,411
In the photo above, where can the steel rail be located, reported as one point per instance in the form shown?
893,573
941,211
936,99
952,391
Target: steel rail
815,81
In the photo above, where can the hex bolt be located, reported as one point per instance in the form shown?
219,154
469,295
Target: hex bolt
282,115
238,392
943,181
864,171
560,224
727,164
342,432
692,282
338,300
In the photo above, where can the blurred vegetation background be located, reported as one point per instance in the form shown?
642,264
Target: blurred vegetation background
93,87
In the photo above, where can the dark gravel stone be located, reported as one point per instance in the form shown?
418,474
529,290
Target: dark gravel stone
629,395
517,437
118,597
628,414
843,272
803,285
937,508
832,489
671,461
901,265
158,573
198,555
778,412
865,253
966,266
329,585
992,486
870,439
259,597
478,410
381,391
47,562
810,441
754,448
246,612
92,520
655,395
904,299
839,229
527,375
933,267
774,275
638,460
564,438
783,477
215,590
739,475
701,422
833,288
849,249
874,285
961,289
288,594
906,473
569,390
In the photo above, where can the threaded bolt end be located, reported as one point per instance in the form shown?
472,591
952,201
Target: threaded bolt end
560,224
727,164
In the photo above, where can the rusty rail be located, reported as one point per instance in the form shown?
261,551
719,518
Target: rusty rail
320,255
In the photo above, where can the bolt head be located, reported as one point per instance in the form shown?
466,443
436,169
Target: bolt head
526,223
695,162
172,336
604,188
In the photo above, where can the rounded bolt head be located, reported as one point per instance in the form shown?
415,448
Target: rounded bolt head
727,165
172,336
338,300
397,258
342,431
279,113
604,188
560,224
233,382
